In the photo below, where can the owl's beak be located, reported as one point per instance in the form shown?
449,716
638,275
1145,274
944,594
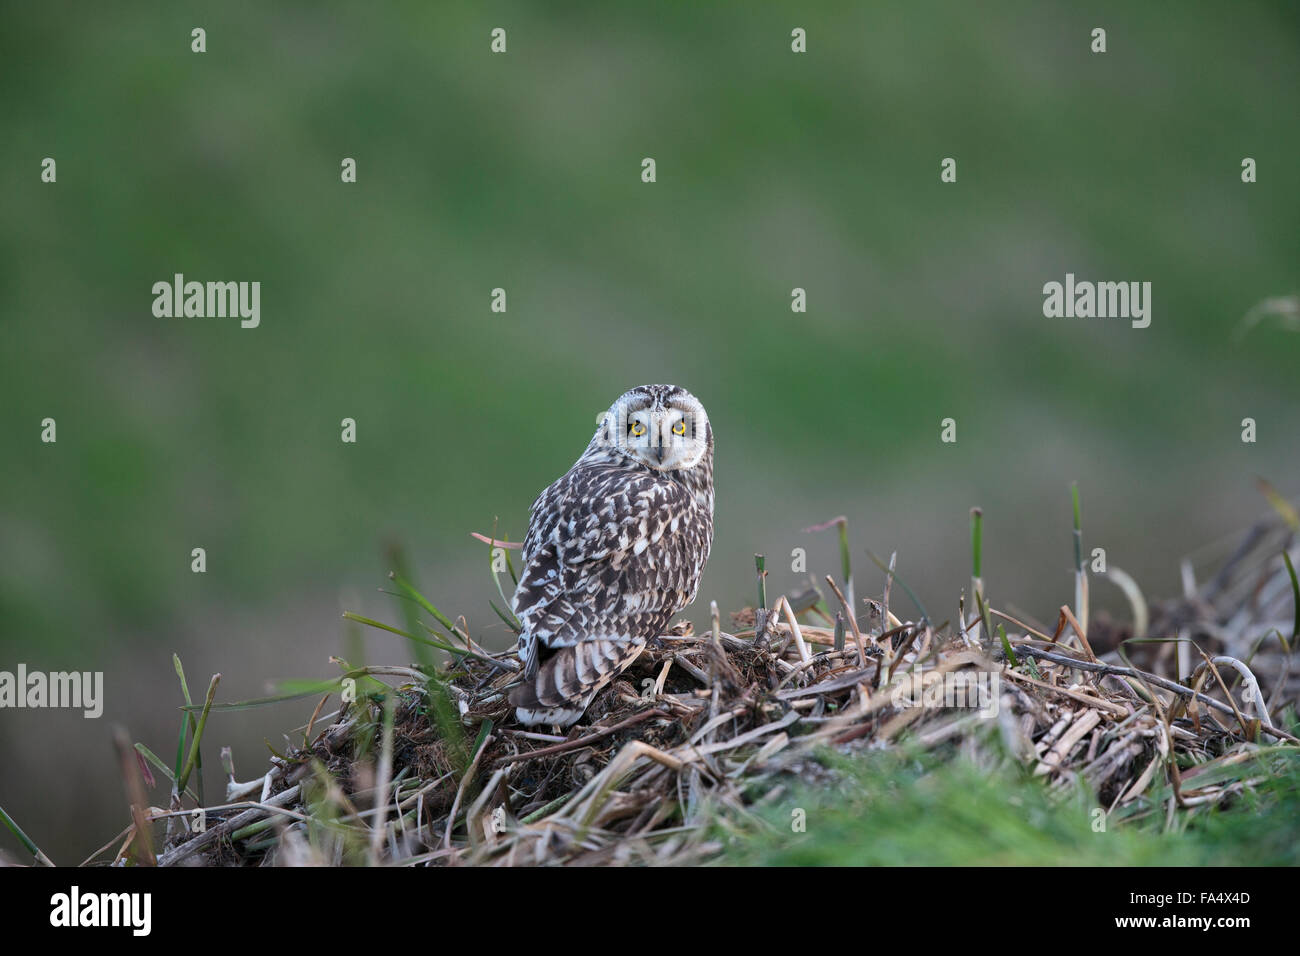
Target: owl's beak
659,452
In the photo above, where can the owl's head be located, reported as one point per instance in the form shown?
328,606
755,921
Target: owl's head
662,426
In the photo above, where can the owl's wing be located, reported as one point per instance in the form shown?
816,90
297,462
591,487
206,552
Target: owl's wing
607,551
613,555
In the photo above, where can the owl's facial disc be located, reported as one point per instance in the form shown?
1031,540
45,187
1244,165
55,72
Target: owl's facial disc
665,436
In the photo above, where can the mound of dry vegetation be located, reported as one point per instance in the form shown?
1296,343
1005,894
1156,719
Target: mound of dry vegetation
425,765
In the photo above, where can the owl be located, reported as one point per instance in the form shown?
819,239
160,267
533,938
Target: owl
614,549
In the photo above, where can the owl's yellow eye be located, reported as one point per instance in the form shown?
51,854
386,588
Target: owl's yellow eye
637,429
680,428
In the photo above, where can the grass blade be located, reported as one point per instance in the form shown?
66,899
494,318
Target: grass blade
24,839
198,734
1295,595
1080,571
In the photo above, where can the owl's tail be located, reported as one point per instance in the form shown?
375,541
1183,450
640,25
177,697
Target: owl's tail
565,683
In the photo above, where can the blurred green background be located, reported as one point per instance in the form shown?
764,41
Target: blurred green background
522,171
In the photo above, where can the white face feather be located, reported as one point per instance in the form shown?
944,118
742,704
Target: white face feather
669,434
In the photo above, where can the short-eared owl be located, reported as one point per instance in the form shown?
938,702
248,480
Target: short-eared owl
614,549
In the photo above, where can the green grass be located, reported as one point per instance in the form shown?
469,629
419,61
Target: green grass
892,810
